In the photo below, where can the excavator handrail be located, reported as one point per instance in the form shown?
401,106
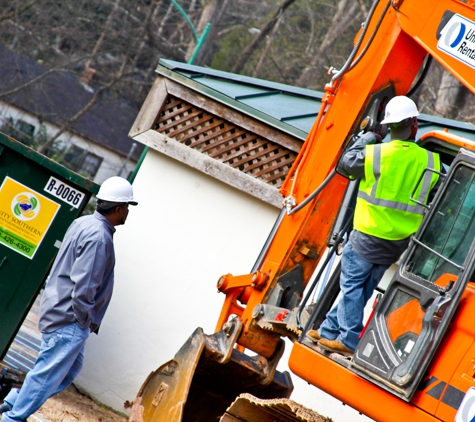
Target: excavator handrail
338,239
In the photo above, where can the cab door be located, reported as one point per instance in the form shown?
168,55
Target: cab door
412,317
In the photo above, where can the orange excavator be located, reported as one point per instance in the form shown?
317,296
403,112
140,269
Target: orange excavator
415,360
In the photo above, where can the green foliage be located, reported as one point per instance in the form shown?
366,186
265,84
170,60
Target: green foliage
230,48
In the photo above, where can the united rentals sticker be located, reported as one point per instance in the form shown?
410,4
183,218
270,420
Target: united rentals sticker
466,411
457,39
25,217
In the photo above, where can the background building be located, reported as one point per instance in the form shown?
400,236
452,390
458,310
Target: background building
36,102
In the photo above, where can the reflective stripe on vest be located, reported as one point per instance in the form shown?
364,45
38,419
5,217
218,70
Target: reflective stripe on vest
384,212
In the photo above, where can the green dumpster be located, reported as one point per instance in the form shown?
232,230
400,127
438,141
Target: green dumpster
39,199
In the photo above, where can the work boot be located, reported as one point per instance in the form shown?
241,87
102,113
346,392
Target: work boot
334,346
5,407
313,336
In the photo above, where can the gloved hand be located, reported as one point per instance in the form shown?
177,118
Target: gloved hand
378,138
380,130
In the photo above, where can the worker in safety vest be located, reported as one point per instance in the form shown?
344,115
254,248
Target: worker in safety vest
385,218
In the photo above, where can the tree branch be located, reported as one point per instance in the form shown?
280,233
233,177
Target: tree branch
79,114
9,15
61,68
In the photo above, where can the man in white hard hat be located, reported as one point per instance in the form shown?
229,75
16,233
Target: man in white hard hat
385,218
74,301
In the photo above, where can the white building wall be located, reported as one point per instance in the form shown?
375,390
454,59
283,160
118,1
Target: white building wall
112,162
187,231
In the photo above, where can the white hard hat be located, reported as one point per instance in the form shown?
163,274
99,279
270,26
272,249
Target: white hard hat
398,109
117,189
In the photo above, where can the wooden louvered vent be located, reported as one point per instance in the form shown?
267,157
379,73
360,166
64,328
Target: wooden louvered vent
224,141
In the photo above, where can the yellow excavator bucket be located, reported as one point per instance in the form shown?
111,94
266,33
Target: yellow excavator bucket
205,377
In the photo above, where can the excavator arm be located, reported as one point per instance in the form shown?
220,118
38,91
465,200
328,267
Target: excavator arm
391,52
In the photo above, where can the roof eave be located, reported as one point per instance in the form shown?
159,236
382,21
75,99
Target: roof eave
230,102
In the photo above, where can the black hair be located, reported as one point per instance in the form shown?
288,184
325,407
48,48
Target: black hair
106,207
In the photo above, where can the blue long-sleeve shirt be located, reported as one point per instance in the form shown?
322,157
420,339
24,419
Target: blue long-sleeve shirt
79,287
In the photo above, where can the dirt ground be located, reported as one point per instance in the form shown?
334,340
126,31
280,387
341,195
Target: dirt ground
72,406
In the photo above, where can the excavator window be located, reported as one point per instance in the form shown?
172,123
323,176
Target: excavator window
447,247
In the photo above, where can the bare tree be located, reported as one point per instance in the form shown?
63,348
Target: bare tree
88,72
212,13
48,144
268,46
11,11
347,13
244,57
451,96
296,41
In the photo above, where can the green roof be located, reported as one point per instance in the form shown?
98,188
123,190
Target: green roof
287,108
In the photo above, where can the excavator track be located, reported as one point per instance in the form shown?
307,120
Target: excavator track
247,408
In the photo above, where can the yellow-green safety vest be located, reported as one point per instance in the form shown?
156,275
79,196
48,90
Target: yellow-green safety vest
383,207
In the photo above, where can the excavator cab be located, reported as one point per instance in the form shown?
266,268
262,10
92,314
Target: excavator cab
422,315
412,317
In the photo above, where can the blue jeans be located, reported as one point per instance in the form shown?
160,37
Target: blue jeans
358,279
60,360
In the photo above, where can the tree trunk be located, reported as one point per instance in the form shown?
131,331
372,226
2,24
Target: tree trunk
451,96
213,12
88,71
142,38
242,60
268,46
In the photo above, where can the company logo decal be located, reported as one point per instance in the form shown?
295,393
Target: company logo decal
458,39
466,411
25,206
25,217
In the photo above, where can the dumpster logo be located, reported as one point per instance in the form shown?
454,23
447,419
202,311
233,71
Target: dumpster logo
457,39
25,206
25,217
